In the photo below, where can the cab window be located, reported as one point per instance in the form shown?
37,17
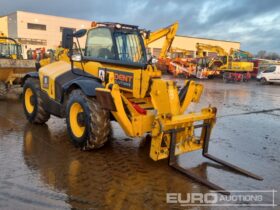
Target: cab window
129,47
100,44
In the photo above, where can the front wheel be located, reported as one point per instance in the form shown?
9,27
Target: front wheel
33,102
87,123
263,81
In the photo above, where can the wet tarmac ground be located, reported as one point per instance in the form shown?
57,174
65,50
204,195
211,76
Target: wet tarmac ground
41,169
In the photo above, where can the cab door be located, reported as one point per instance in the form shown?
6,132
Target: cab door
270,74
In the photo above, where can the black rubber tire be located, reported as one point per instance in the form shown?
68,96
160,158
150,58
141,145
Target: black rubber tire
211,77
97,122
3,90
263,81
226,77
39,115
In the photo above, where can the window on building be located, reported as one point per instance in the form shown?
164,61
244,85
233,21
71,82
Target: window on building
191,54
41,42
61,28
212,54
156,52
35,26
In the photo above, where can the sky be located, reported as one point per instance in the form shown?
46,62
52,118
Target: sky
254,23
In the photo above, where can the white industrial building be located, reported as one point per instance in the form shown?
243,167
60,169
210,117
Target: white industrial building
34,30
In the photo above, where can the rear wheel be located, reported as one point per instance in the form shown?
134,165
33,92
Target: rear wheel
226,77
33,102
3,90
87,123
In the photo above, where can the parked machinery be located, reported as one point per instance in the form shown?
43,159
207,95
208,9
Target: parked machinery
169,33
233,69
182,62
9,48
168,61
240,55
12,65
113,80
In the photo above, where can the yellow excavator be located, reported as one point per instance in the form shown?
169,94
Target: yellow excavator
223,62
169,33
113,80
12,65
168,60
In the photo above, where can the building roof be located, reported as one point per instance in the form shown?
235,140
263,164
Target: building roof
44,15
194,37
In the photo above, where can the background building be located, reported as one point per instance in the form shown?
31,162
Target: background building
34,30
189,43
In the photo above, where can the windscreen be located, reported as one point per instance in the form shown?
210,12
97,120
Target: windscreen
129,47
7,50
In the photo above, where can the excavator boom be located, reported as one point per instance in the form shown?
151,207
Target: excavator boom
168,32
211,48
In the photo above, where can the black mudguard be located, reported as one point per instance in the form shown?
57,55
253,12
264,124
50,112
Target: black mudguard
30,74
76,79
86,85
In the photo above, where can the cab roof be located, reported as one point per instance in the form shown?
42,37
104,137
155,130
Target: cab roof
114,25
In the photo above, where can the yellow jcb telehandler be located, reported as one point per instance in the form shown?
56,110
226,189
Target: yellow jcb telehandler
113,80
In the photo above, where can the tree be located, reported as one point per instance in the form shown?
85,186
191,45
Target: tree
268,55
261,54
272,56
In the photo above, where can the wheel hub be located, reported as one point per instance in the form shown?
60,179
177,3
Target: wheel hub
81,119
32,100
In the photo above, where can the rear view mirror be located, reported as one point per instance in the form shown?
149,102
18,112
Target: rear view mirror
67,38
80,33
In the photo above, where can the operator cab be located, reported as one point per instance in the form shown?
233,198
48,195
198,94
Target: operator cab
9,48
115,43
